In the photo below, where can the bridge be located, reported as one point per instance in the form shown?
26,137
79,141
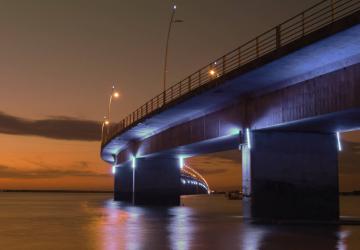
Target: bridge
191,183
282,99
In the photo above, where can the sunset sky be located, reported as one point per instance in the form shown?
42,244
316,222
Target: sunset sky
59,60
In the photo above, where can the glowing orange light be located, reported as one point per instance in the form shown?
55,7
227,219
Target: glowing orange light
116,94
212,72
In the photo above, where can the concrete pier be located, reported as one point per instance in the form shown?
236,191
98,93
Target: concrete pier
291,176
123,183
149,181
157,181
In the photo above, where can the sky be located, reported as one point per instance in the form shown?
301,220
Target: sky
59,60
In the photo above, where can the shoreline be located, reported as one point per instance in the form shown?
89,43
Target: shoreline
55,191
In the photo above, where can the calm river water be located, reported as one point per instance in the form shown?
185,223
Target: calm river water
93,221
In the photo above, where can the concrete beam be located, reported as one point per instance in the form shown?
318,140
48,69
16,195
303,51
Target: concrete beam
327,103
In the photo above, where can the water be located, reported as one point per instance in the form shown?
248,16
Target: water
93,221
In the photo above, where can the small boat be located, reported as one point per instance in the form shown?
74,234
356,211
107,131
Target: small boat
234,195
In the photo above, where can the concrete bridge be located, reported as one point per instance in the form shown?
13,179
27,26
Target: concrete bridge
189,182
282,98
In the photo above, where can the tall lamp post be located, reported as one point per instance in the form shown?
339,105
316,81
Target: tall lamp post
104,123
114,94
172,21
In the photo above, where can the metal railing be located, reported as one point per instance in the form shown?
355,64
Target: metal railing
308,21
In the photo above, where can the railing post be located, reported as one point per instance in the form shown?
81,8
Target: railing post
332,11
257,47
278,36
239,56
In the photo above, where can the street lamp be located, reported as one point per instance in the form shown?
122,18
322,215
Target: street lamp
104,123
213,73
114,94
172,21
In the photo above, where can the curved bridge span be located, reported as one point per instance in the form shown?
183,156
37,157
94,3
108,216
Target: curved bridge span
283,98
192,182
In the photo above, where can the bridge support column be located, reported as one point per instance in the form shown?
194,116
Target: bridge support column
157,181
123,183
291,176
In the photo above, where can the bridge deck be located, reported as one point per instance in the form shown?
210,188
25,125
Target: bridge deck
269,61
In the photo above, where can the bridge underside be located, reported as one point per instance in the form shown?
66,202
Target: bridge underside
324,104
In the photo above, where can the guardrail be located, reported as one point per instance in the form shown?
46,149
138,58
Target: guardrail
308,21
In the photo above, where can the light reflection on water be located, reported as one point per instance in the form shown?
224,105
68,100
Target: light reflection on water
126,227
251,239
79,221
180,228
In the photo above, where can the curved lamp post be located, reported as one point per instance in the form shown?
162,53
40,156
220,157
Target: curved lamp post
114,94
104,123
172,21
